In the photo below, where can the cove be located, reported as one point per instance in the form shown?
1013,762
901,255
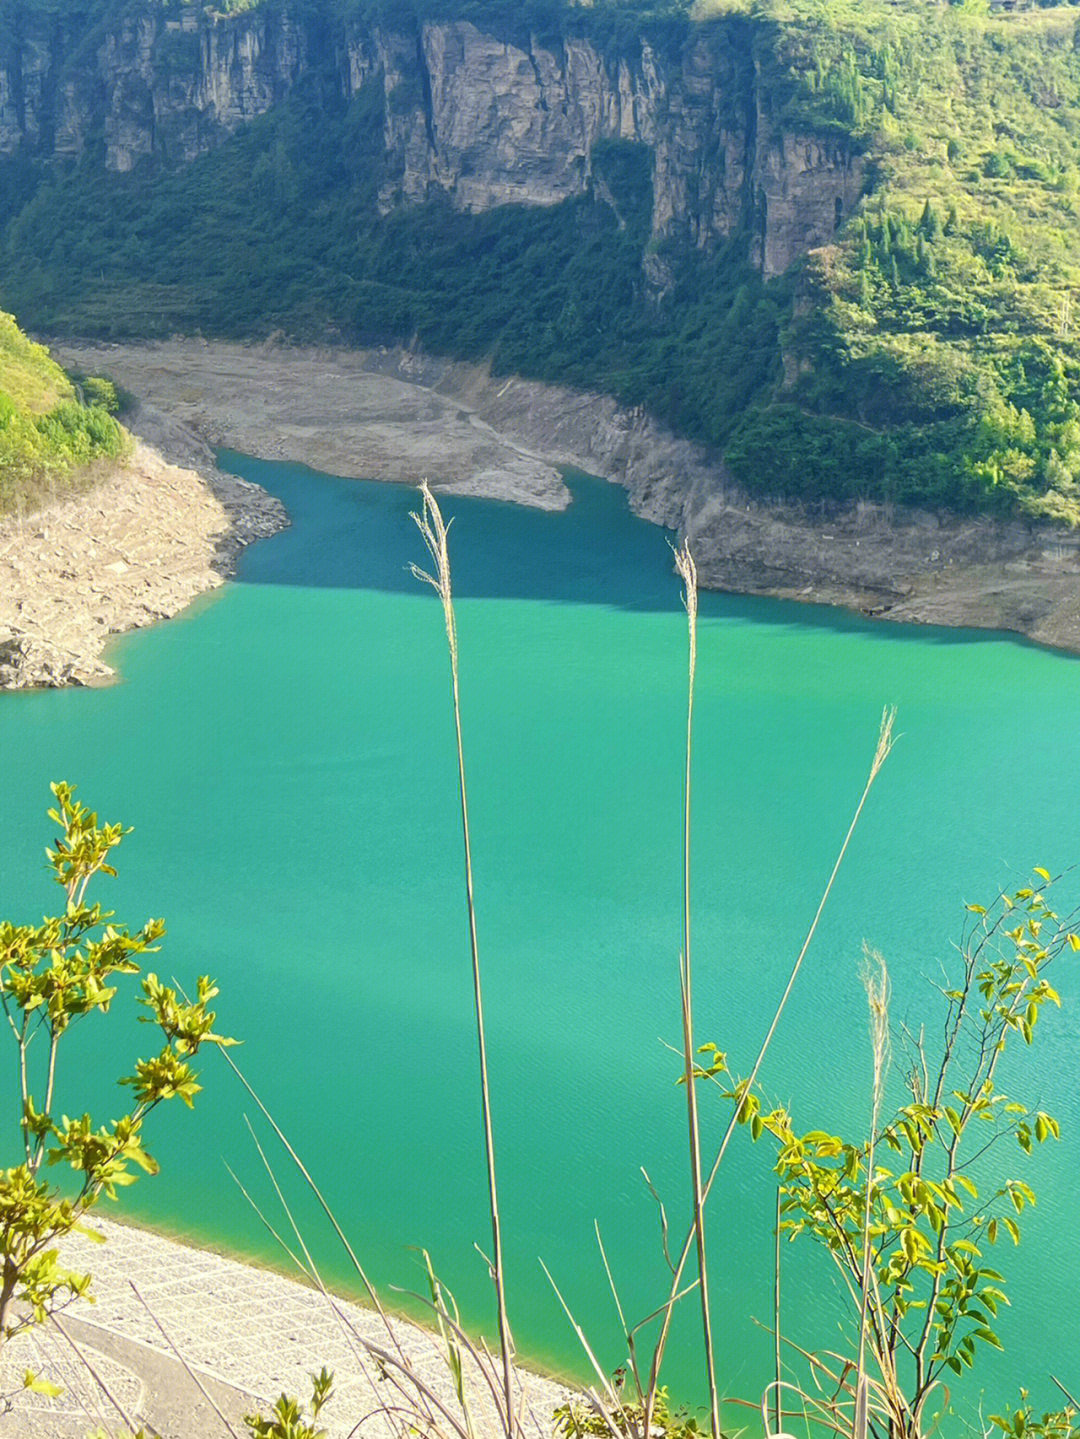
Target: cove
285,754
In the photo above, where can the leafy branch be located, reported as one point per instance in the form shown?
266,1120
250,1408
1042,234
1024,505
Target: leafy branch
53,975
908,1237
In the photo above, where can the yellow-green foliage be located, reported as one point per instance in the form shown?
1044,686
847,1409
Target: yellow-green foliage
49,433
29,377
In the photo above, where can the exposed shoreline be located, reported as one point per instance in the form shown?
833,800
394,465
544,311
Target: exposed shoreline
135,547
398,416
167,526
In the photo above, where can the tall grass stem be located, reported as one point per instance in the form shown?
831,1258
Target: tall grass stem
684,563
433,529
876,982
882,750
777,1376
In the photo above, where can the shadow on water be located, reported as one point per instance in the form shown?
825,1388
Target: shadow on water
357,534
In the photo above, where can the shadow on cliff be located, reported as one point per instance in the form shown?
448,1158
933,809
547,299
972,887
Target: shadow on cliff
358,534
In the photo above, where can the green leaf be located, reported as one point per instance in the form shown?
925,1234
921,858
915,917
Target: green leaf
965,1246
41,1386
989,1337
94,1235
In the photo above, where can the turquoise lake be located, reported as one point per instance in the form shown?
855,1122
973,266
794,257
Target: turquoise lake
285,755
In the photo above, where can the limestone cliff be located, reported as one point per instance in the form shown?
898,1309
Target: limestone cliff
485,119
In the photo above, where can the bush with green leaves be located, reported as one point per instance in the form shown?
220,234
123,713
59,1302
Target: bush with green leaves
53,976
287,1419
907,1215
50,432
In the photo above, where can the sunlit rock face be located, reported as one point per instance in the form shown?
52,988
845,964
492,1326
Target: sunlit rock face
483,119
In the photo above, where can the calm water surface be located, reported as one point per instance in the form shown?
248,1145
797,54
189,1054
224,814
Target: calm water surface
285,755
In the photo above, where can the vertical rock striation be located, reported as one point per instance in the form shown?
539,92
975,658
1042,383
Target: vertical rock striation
479,118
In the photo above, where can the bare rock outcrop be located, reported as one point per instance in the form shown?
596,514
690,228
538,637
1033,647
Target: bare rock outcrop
398,415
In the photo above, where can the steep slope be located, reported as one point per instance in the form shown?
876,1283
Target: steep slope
833,243
48,432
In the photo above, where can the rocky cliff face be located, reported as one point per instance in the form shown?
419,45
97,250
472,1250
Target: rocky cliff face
168,85
471,115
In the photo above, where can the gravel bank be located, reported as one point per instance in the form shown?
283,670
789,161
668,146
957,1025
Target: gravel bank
134,549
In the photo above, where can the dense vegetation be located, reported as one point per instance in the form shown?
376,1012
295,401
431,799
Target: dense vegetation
934,349
50,429
927,356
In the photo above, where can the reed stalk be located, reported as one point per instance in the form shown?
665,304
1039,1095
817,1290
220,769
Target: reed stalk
684,563
876,982
433,529
778,1411
881,753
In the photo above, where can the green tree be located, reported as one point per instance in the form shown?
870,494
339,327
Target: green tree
53,975
904,1216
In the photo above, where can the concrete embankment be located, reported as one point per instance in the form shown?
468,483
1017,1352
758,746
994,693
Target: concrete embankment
187,1341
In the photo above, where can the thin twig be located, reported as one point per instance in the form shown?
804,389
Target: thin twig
777,1376
369,1288
94,1374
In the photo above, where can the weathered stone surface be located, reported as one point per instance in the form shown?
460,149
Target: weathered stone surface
134,549
491,123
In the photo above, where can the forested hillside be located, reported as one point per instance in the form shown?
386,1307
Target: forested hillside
50,430
838,243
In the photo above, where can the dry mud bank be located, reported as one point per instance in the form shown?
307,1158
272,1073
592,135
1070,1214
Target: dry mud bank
393,415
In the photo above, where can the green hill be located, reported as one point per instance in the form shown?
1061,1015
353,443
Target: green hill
50,430
932,351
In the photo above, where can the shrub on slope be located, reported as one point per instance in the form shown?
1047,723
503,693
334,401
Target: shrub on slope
49,431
